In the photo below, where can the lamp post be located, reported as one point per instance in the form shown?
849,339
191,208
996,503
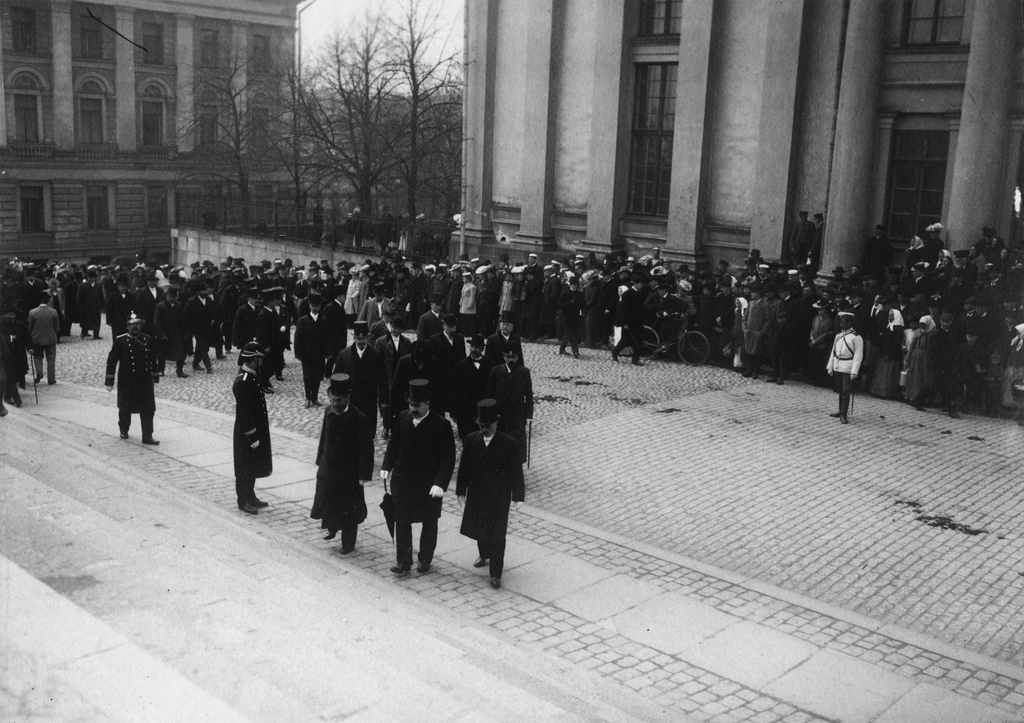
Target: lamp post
300,8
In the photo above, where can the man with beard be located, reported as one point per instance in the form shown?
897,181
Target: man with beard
469,386
503,335
512,386
133,358
365,366
344,463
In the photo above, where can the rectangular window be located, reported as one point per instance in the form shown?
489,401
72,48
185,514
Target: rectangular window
209,48
152,123
207,124
156,206
97,215
23,30
654,112
660,17
260,53
153,42
260,126
26,118
917,177
934,22
91,127
91,35
32,209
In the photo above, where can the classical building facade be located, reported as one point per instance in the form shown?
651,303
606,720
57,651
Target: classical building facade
704,126
102,113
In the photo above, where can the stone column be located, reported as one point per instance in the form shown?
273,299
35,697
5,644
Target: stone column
886,121
609,127
63,88
124,79
3,104
537,178
984,123
184,83
850,191
689,150
775,128
1004,203
239,62
478,111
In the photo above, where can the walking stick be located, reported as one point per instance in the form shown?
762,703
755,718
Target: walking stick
32,370
529,441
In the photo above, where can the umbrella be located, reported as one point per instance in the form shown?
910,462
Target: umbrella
387,506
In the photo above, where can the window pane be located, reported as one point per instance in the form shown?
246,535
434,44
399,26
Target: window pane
951,8
156,206
153,42
92,38
152,124
917,181
32,208
96,207
651,154
23,29
208,48
26,123
919,32
949,30
92,120
922,9
933,178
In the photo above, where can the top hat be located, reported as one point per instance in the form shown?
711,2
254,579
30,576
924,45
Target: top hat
398,321
360,328
341,385
419,391
486,412
437,298
509,347
507,316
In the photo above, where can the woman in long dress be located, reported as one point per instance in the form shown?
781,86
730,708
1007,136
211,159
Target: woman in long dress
886,381
1014,367
920,379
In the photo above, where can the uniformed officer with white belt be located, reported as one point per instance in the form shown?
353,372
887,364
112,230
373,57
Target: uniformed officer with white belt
845,359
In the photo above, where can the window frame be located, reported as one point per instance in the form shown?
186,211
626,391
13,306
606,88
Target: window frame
670,20
81,97
656,203
201,124
919,165
163,194
152,41
89,28
42,225
209,48
91,222
37,110
18,31
935,21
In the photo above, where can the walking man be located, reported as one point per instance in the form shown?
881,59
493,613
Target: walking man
133,357
344,463
512,386
43,331
844,361
310,332
421,454
490,481
252,453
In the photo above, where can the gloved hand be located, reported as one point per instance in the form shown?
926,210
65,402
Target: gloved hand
384,474
436,492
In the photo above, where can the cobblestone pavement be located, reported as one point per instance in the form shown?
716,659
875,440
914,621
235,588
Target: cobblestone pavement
908,518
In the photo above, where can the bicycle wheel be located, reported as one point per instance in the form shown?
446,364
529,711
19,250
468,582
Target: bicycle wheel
694,348
650,344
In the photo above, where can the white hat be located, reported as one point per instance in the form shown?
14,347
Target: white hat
467,272
533,255
685,285
934,227
430,267
481,270
580,256
518,269
474,261
548,266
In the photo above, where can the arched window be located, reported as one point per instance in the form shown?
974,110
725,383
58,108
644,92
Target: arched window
28,111
92,102
153,107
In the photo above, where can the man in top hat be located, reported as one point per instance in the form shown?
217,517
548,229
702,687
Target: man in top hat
202,323
243,329
469,385
375,307
146,299
344,461
419,462
392,347
511,385
490,481
270,328
252,453
430,322
44,332
877,252
169,325
448,348
814,256
506,323
365,365
133,358
120,305
845,359
90,305
631,312
310,336
335,327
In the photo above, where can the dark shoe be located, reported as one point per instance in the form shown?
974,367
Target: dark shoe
746,375
308,404
247,508
637,362
209,370
953,414
835,415
780,381
278,377
268,390
844,420
258,503
316,403
771,380
221,358
917,406
195,368
563,352
480,562
52,383
3,411
615,357
346,550
400,569
330,535
150,441
37,380
496,582
423,567
575,356
124,435
182,375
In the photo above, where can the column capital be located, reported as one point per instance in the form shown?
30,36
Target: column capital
184,19
60,6
886,120
120,11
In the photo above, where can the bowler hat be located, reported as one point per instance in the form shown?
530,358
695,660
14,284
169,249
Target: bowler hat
486,411
398,321
477,340
419,391
341,385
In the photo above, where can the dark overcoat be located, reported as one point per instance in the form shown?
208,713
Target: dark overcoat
201,321
251,423
491,478
447,355
513,390
135,361
310,339
145,304
344,457
90,305
168,319
419,457
243,330
369,387
119,308
469,386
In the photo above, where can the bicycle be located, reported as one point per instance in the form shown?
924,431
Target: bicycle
692,347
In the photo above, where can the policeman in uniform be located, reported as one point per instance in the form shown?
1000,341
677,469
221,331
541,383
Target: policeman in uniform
845,359
252,453
135,352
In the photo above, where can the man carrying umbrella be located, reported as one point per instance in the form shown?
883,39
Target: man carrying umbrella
490,481
421,455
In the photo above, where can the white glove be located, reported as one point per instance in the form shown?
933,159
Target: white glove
436,492
384,474
255,444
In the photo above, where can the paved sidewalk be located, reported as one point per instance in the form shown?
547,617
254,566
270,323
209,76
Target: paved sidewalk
689,637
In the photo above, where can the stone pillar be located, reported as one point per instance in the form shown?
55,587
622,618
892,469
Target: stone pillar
537,178
3,103
775,128
886,121
184,83
1004,203
478,111
124,79
63,88
850,189
689,150
984,123
239,62
609,128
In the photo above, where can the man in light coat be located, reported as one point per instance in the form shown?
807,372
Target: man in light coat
43,330
844,361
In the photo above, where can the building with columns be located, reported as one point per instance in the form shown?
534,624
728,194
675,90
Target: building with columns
703,126
100,119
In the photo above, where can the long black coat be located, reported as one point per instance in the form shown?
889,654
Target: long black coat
170,329
90,305
251,423
491,478
469,386
513,390
369,387
344,457
145,305
310,336
243,330
447,355
118,310
419,457
135,361
335,332
201,321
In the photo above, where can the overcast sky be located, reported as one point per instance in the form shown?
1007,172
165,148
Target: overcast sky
324,18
